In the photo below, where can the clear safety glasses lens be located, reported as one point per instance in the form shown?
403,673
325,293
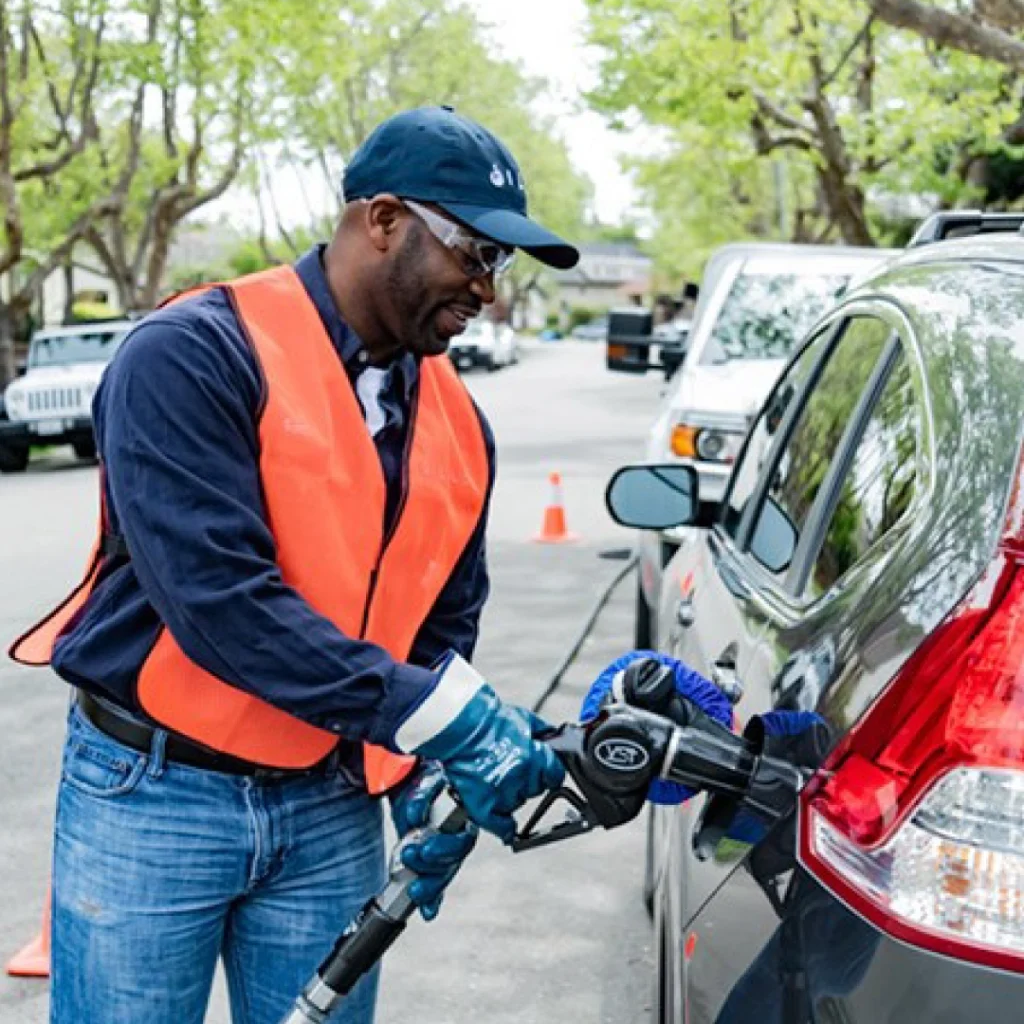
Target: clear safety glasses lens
477,256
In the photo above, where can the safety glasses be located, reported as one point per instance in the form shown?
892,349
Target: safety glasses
477,256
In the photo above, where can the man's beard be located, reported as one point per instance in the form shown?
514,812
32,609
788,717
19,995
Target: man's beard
409,295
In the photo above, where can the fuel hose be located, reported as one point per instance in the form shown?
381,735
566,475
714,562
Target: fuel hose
588,627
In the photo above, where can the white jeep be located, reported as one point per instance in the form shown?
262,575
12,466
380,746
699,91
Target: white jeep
51,403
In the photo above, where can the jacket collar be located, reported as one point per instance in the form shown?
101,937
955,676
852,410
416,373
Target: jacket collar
350,349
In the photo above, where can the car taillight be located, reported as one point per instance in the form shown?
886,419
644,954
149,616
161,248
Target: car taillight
917,820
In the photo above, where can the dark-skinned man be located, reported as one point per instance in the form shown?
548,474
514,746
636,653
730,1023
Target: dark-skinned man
277,621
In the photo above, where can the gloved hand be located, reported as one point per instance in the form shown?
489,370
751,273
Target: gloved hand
489,750
690,684
435,856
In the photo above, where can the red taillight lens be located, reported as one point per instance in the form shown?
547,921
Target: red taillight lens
918,820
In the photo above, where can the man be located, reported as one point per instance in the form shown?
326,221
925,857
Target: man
283,601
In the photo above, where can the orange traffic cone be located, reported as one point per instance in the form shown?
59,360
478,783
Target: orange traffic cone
33,961
553,530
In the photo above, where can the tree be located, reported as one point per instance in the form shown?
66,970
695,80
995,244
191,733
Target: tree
796,115
121,119
987,28
992,30
200,59
383,56
50,76
118,119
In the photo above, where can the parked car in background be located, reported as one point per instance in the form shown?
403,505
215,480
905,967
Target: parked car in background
756,302
51,403
593,330
486,344
867,563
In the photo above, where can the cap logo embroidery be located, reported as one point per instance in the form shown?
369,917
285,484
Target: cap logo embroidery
497,178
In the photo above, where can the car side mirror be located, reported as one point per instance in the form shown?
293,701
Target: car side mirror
653,497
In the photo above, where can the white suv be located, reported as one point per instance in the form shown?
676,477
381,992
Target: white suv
52,402
757,300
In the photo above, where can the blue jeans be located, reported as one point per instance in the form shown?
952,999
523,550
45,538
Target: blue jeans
159,869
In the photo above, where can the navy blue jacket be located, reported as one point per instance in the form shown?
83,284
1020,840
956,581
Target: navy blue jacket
176,428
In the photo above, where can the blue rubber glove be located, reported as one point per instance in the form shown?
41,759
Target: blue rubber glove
802,738
689,683
435,856
489,750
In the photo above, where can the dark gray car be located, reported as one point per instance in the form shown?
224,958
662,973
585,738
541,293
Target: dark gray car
868,563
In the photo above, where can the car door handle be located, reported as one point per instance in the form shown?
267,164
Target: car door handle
725,677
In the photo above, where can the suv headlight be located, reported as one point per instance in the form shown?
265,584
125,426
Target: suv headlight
706,444
15,402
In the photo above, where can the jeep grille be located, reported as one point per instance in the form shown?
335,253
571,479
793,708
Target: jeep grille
55,400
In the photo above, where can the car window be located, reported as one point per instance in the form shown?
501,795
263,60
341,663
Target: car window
765,430
804,463
96,346
880,483
767,311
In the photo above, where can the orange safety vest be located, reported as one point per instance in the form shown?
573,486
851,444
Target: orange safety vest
324,492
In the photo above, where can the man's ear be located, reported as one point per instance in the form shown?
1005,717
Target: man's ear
384,216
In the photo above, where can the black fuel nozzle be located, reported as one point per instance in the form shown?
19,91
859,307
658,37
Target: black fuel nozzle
707,755
647,729
704,754
611,761
648,684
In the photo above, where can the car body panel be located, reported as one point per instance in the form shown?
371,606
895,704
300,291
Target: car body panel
959,311
854,974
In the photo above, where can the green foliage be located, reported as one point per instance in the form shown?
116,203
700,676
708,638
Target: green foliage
581,315
790,119
380,57
190,96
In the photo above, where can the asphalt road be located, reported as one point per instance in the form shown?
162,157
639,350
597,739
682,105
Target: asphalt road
553,935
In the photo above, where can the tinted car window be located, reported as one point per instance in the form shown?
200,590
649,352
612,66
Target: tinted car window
801,470
765,430
767,312
880,483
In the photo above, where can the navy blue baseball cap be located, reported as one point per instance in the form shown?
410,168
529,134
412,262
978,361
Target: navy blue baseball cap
434,155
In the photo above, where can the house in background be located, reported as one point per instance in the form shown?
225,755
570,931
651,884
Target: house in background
608,274
80,278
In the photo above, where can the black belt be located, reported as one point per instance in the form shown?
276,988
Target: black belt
180,750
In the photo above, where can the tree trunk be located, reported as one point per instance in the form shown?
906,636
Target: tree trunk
975,174
163,235
6,345
69,290
846,207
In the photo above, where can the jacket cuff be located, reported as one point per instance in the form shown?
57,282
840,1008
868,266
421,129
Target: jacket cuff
457,683
405,689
